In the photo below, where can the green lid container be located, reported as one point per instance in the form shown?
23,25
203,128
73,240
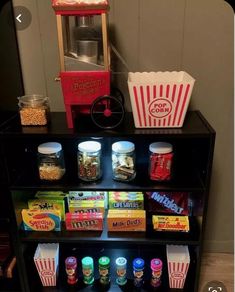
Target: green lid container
104,262
88,263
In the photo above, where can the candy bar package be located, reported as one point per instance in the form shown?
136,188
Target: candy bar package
168,203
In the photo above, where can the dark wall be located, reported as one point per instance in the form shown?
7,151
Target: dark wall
11,84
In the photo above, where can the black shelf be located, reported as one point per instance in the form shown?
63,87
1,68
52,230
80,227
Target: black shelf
150,237
193,146
184,179
147,254
194,126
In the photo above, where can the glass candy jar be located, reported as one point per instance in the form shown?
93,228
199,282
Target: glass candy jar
123,161
34,110
160,161
89,161
51,161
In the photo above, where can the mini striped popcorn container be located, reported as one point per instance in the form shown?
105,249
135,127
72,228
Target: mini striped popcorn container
46,259
160,99
178,261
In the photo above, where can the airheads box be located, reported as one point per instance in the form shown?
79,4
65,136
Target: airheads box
38,220
47,205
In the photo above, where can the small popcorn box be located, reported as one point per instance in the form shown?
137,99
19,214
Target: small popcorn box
160,99
178,261
46,259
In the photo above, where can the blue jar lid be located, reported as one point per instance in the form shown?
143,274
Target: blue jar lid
138,264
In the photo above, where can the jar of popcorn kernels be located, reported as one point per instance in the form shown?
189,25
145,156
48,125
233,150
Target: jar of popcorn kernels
51,161
34,110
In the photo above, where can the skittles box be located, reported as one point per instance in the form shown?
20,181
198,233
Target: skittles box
48,204
38,220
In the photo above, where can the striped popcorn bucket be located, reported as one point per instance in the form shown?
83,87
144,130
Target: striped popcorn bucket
178,261
46,259
160,99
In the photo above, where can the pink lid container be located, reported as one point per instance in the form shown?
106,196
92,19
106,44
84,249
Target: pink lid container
156,264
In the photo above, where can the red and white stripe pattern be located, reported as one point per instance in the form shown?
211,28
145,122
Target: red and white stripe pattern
177,274
177,95
46,270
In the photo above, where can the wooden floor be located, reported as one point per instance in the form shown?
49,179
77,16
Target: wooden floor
219,267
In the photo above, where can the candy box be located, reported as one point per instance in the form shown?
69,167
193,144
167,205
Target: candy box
55,195
46,259
125,200
75,196
37,220
170,223
48,204
84,221
87,207
126,220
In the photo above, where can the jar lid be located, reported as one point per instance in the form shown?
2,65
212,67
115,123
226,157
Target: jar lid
49,148
161,147
104,262
121,262
138,264
33,100
87,262
71,262
123,147
89,146
156,264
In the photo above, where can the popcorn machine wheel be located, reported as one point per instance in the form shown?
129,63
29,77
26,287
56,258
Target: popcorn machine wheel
85,63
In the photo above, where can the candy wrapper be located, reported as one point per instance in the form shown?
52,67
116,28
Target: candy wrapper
168,202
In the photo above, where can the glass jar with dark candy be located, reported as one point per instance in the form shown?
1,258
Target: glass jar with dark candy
89,161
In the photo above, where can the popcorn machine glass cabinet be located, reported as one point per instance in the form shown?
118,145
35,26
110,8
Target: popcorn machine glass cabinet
82,43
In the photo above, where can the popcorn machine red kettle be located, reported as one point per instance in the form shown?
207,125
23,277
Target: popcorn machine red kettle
85,62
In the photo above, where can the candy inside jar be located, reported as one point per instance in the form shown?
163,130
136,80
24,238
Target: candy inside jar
123,161
160,161
89,161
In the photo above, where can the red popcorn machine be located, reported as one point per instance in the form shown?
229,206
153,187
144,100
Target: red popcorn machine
85,62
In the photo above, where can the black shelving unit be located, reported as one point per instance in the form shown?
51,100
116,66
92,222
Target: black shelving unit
193,147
